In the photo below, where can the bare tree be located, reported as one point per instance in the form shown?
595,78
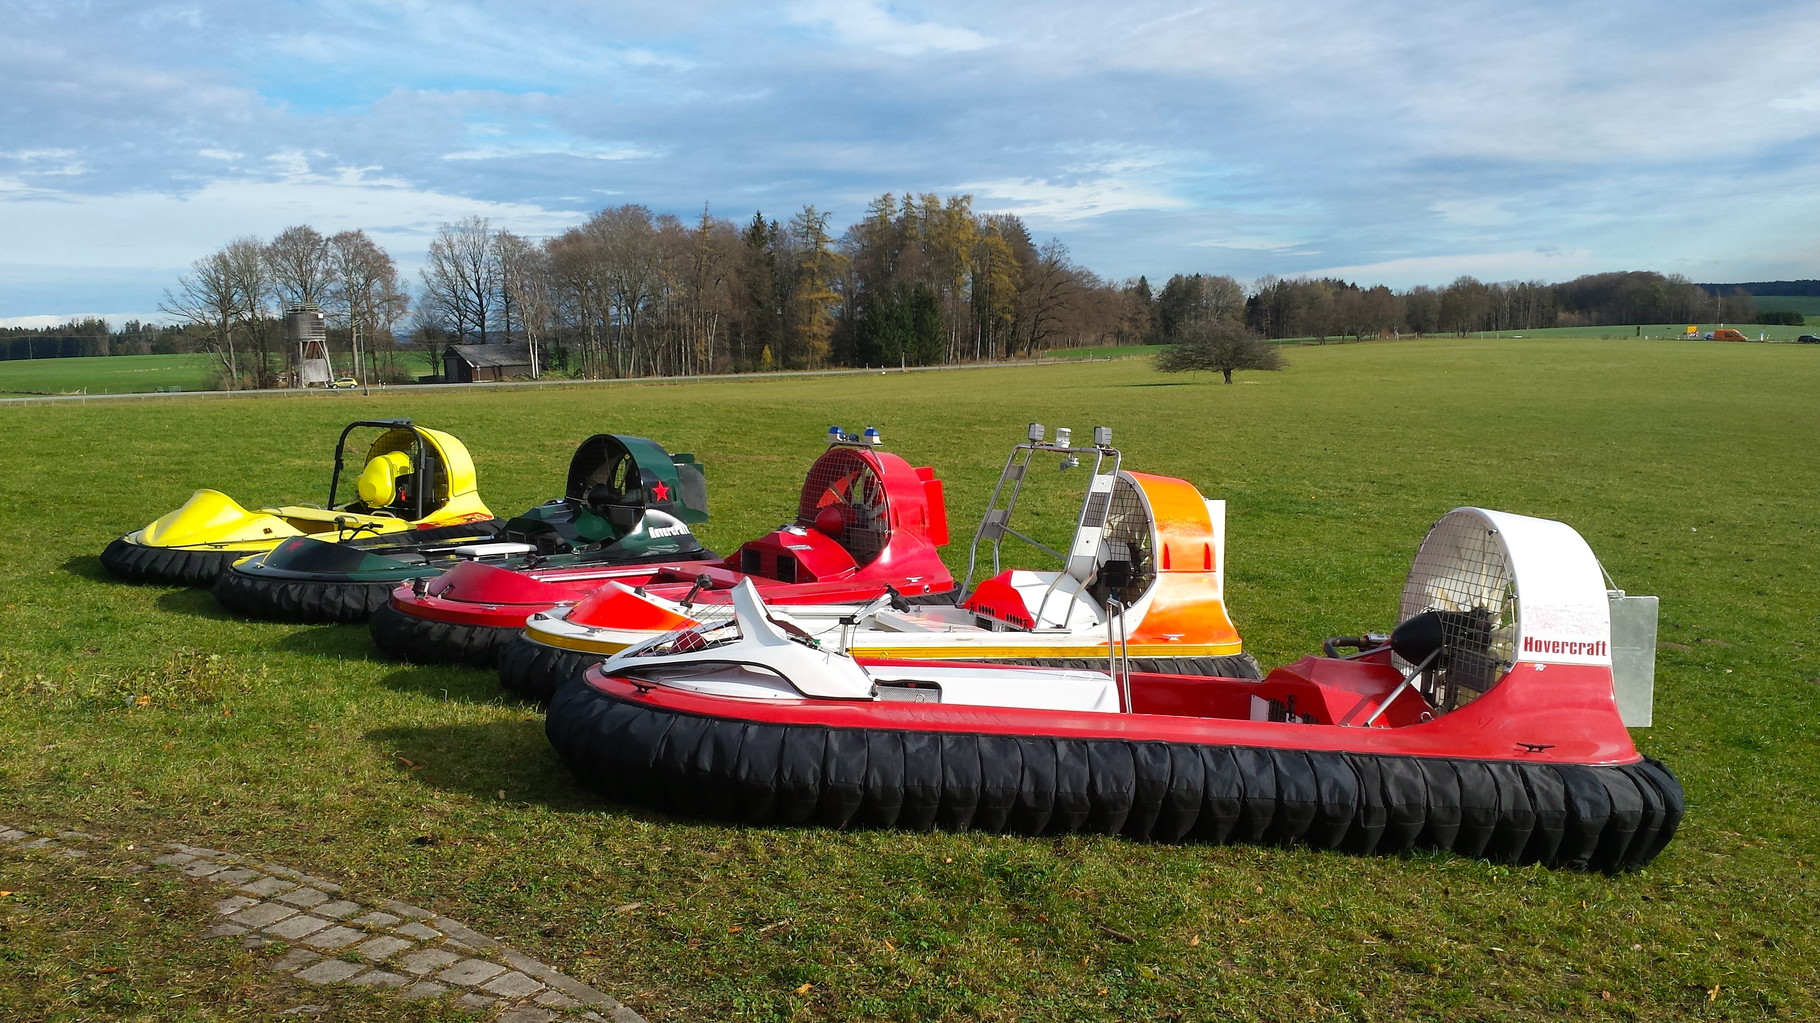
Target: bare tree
461,280
227,296
254,287
704,297
364,293
205,299
1050,285
525,281
301,265
627,260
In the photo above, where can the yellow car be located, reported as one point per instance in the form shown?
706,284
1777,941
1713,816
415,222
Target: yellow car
413,478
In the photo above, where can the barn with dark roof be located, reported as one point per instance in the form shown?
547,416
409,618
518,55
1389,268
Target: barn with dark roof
466,364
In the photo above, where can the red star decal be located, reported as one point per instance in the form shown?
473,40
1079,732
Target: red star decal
661,491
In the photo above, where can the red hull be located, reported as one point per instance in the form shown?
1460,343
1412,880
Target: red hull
1558,714
866,520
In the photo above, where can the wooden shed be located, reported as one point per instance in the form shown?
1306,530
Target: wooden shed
465,364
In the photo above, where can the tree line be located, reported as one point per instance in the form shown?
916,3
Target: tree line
91,336
1328,308
918,280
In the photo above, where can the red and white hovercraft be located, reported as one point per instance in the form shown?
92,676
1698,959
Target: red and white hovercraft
1487,723
867,521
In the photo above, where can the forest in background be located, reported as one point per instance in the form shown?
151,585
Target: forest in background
919,280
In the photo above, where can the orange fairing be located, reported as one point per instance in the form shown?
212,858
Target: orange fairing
1187,602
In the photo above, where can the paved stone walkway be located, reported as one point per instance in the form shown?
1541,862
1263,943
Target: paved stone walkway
385,944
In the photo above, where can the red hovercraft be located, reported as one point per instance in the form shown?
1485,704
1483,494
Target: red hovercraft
867,523
1145,560
1491,722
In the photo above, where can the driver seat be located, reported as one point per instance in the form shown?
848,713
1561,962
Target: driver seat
385,480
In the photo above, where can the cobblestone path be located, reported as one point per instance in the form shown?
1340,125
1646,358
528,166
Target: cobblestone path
334,940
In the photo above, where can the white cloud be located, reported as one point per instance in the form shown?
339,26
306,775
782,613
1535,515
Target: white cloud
1526,140
1275,245
869,25
1100,180
1038,199
578,150
1807,101
1479,211
49,162
169,233
1409,271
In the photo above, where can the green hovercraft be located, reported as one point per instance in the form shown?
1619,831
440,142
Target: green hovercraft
628,502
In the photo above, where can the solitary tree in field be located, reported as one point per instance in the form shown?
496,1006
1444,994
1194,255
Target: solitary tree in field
1218,345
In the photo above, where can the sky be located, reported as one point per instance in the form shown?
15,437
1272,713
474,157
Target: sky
1400,144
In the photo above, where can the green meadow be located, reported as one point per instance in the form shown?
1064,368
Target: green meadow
114,374
1806,305
1652,331
143,714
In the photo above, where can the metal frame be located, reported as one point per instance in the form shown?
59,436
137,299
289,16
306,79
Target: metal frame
1095,501
420,462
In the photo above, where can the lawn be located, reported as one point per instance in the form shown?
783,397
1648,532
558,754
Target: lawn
143,714
1104,352
114,374
1649,331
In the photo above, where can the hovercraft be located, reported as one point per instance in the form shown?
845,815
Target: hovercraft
866,521
414,480
1487,724
1146,554
628,502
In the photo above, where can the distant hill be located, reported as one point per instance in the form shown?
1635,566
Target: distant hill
1768,287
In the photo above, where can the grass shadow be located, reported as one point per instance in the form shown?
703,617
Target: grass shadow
485,760
342,642
195,602
448,682
88,566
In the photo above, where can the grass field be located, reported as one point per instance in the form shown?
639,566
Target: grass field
1647,331
115,374
1104,352
1806,305
143,714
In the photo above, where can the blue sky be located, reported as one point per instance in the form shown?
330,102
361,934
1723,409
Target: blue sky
1400,144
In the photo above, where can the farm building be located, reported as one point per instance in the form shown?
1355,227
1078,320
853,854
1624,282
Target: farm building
465,364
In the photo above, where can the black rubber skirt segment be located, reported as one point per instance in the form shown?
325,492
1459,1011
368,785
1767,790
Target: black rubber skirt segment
171,566
534,671
1567,816
175,566
427,641
299,600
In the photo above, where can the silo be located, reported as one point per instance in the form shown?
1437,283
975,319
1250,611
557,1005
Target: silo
305,326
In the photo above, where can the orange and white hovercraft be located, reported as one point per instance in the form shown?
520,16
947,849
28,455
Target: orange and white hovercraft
1143,569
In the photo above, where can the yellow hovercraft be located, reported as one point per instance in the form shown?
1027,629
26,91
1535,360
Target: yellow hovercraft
414,479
